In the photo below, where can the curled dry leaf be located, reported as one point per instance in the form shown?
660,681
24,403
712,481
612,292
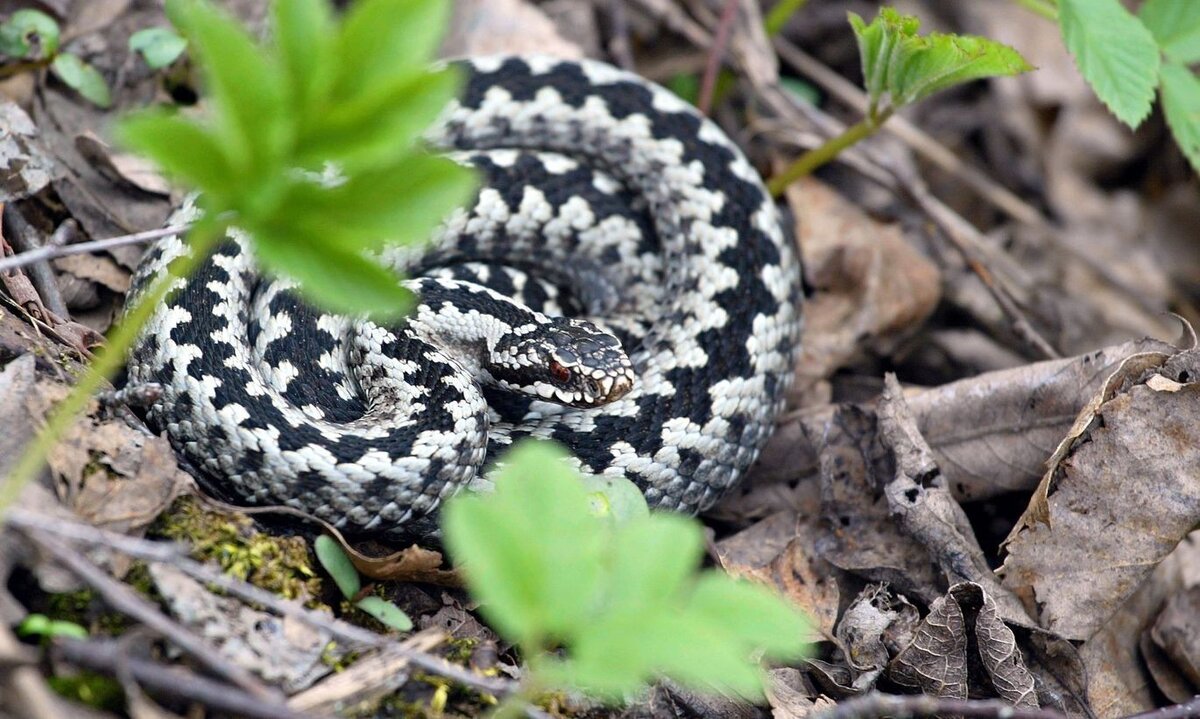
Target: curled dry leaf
25,168
877,624
872,287
965,621
990,434
780,552
790,696
1119,496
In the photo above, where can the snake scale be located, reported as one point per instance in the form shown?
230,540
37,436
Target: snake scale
604,197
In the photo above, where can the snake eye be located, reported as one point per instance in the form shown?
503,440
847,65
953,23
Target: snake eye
559,372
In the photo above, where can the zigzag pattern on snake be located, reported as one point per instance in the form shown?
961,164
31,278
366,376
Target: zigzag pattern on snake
605,197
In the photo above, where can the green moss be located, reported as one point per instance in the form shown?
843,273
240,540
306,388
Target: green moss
277,564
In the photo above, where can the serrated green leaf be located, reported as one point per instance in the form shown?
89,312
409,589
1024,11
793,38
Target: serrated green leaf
1175,25
183,149
531,551
158,46
82,78
243,84
376,127
652,557
925,65
386,612
381,39
898,62
339,566
1181,105
304,33
332,276
755,615
397,204
1114,52
29,34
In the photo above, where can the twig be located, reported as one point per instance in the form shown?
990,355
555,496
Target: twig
172,554
619,44
924,145
875,705
715,54
23,238
1186,710
122,599
106,656
50,251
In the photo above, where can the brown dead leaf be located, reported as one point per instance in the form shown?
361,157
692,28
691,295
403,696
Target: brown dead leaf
95,268
876,624
778,552
25,167
871,287
1119,501
1167,678
790,696
413,564
1177,633
936,661
489,27
132,170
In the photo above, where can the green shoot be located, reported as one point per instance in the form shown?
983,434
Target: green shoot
39,625
621,598
345,576
901,67
32,38
158,46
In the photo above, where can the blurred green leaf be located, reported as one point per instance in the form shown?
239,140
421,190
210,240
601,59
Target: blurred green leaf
304,33
244,84
386,612
383,39
82,78
801,90
1175,25
39,625
30,35
761,621
158,46
1114,52
160,135
651,559
1181,105
616,499
339,566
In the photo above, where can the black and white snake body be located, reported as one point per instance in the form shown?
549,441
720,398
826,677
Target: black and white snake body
604,196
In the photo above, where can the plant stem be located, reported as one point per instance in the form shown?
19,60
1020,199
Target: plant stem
818,156
1045,8
779,15
108,361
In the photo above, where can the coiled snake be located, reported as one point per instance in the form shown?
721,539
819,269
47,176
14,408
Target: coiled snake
605,197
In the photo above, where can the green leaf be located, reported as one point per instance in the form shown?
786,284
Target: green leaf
158,46
82,78
304,34
652,557
183,149
386,612
801,90
762,619
615,499
243,84
397,204
1175,25
376,127
333,276
1181,105
531,551
381,39
39,625
1115,53
29,34
338,565
908,67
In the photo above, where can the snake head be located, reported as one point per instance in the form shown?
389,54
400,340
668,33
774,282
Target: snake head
566,361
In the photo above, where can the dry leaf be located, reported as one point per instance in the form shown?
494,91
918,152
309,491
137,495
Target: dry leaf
1122,494
25,168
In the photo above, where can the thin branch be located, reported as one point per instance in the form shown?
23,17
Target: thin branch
108,656
24,238
122,599
715,54
51,251
619,44
1186,710
173,554
875,705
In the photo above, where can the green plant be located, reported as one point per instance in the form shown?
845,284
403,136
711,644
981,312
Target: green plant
345,576
158,46
1126,57
605,603
39,625
31,38
901,67
353,93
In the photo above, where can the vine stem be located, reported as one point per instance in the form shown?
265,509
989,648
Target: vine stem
814,158
108,360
